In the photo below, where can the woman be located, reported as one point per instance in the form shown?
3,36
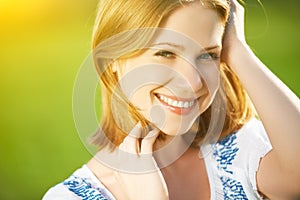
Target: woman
177,122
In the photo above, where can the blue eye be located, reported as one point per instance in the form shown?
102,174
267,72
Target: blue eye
209,56
166,54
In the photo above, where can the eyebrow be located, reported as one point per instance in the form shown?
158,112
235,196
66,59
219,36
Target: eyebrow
180,47
177,46
212,47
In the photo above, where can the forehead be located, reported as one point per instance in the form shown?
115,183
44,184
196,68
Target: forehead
202,25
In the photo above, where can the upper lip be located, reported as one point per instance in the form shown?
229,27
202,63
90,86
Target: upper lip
176,98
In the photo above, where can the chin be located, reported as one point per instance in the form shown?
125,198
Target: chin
173,128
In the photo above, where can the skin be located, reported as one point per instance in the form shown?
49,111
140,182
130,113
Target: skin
176,66
186,63
278,176
268,94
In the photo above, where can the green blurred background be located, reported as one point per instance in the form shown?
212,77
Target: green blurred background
42,45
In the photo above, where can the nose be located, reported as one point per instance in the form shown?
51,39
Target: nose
187,76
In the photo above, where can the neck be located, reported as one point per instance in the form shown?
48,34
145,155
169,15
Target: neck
168,150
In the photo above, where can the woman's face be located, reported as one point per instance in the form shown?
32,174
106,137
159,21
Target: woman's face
175,79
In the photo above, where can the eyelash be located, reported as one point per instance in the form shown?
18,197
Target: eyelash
165,53
204,56
209,56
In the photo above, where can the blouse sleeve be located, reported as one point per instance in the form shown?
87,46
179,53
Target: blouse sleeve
59,192
82,184
255,143
260,149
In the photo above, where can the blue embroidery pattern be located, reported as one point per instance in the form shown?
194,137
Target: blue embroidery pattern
83,189
224,153
232,189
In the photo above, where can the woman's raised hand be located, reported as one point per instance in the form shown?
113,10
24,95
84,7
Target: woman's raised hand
268,94
234,35
140,178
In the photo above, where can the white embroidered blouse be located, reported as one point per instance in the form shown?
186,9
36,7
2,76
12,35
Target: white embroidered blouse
231,165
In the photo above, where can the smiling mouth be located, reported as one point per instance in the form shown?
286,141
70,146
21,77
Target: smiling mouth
178,106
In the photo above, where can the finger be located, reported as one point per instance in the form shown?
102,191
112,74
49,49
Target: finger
148,141
136,131
236,7
130,143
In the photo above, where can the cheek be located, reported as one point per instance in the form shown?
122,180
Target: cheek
141,98
211,76
147,75
139,83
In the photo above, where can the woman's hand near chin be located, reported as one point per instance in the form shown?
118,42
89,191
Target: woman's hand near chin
147,181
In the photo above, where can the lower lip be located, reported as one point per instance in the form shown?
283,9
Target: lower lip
177,110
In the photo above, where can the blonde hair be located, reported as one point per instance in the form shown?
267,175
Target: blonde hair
139,19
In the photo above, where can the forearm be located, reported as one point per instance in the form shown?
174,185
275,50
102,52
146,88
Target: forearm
277,106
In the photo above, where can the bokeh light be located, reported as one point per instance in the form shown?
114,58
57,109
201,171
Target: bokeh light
42,46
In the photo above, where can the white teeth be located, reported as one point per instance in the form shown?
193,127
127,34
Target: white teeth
186,105
180,104
174,103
